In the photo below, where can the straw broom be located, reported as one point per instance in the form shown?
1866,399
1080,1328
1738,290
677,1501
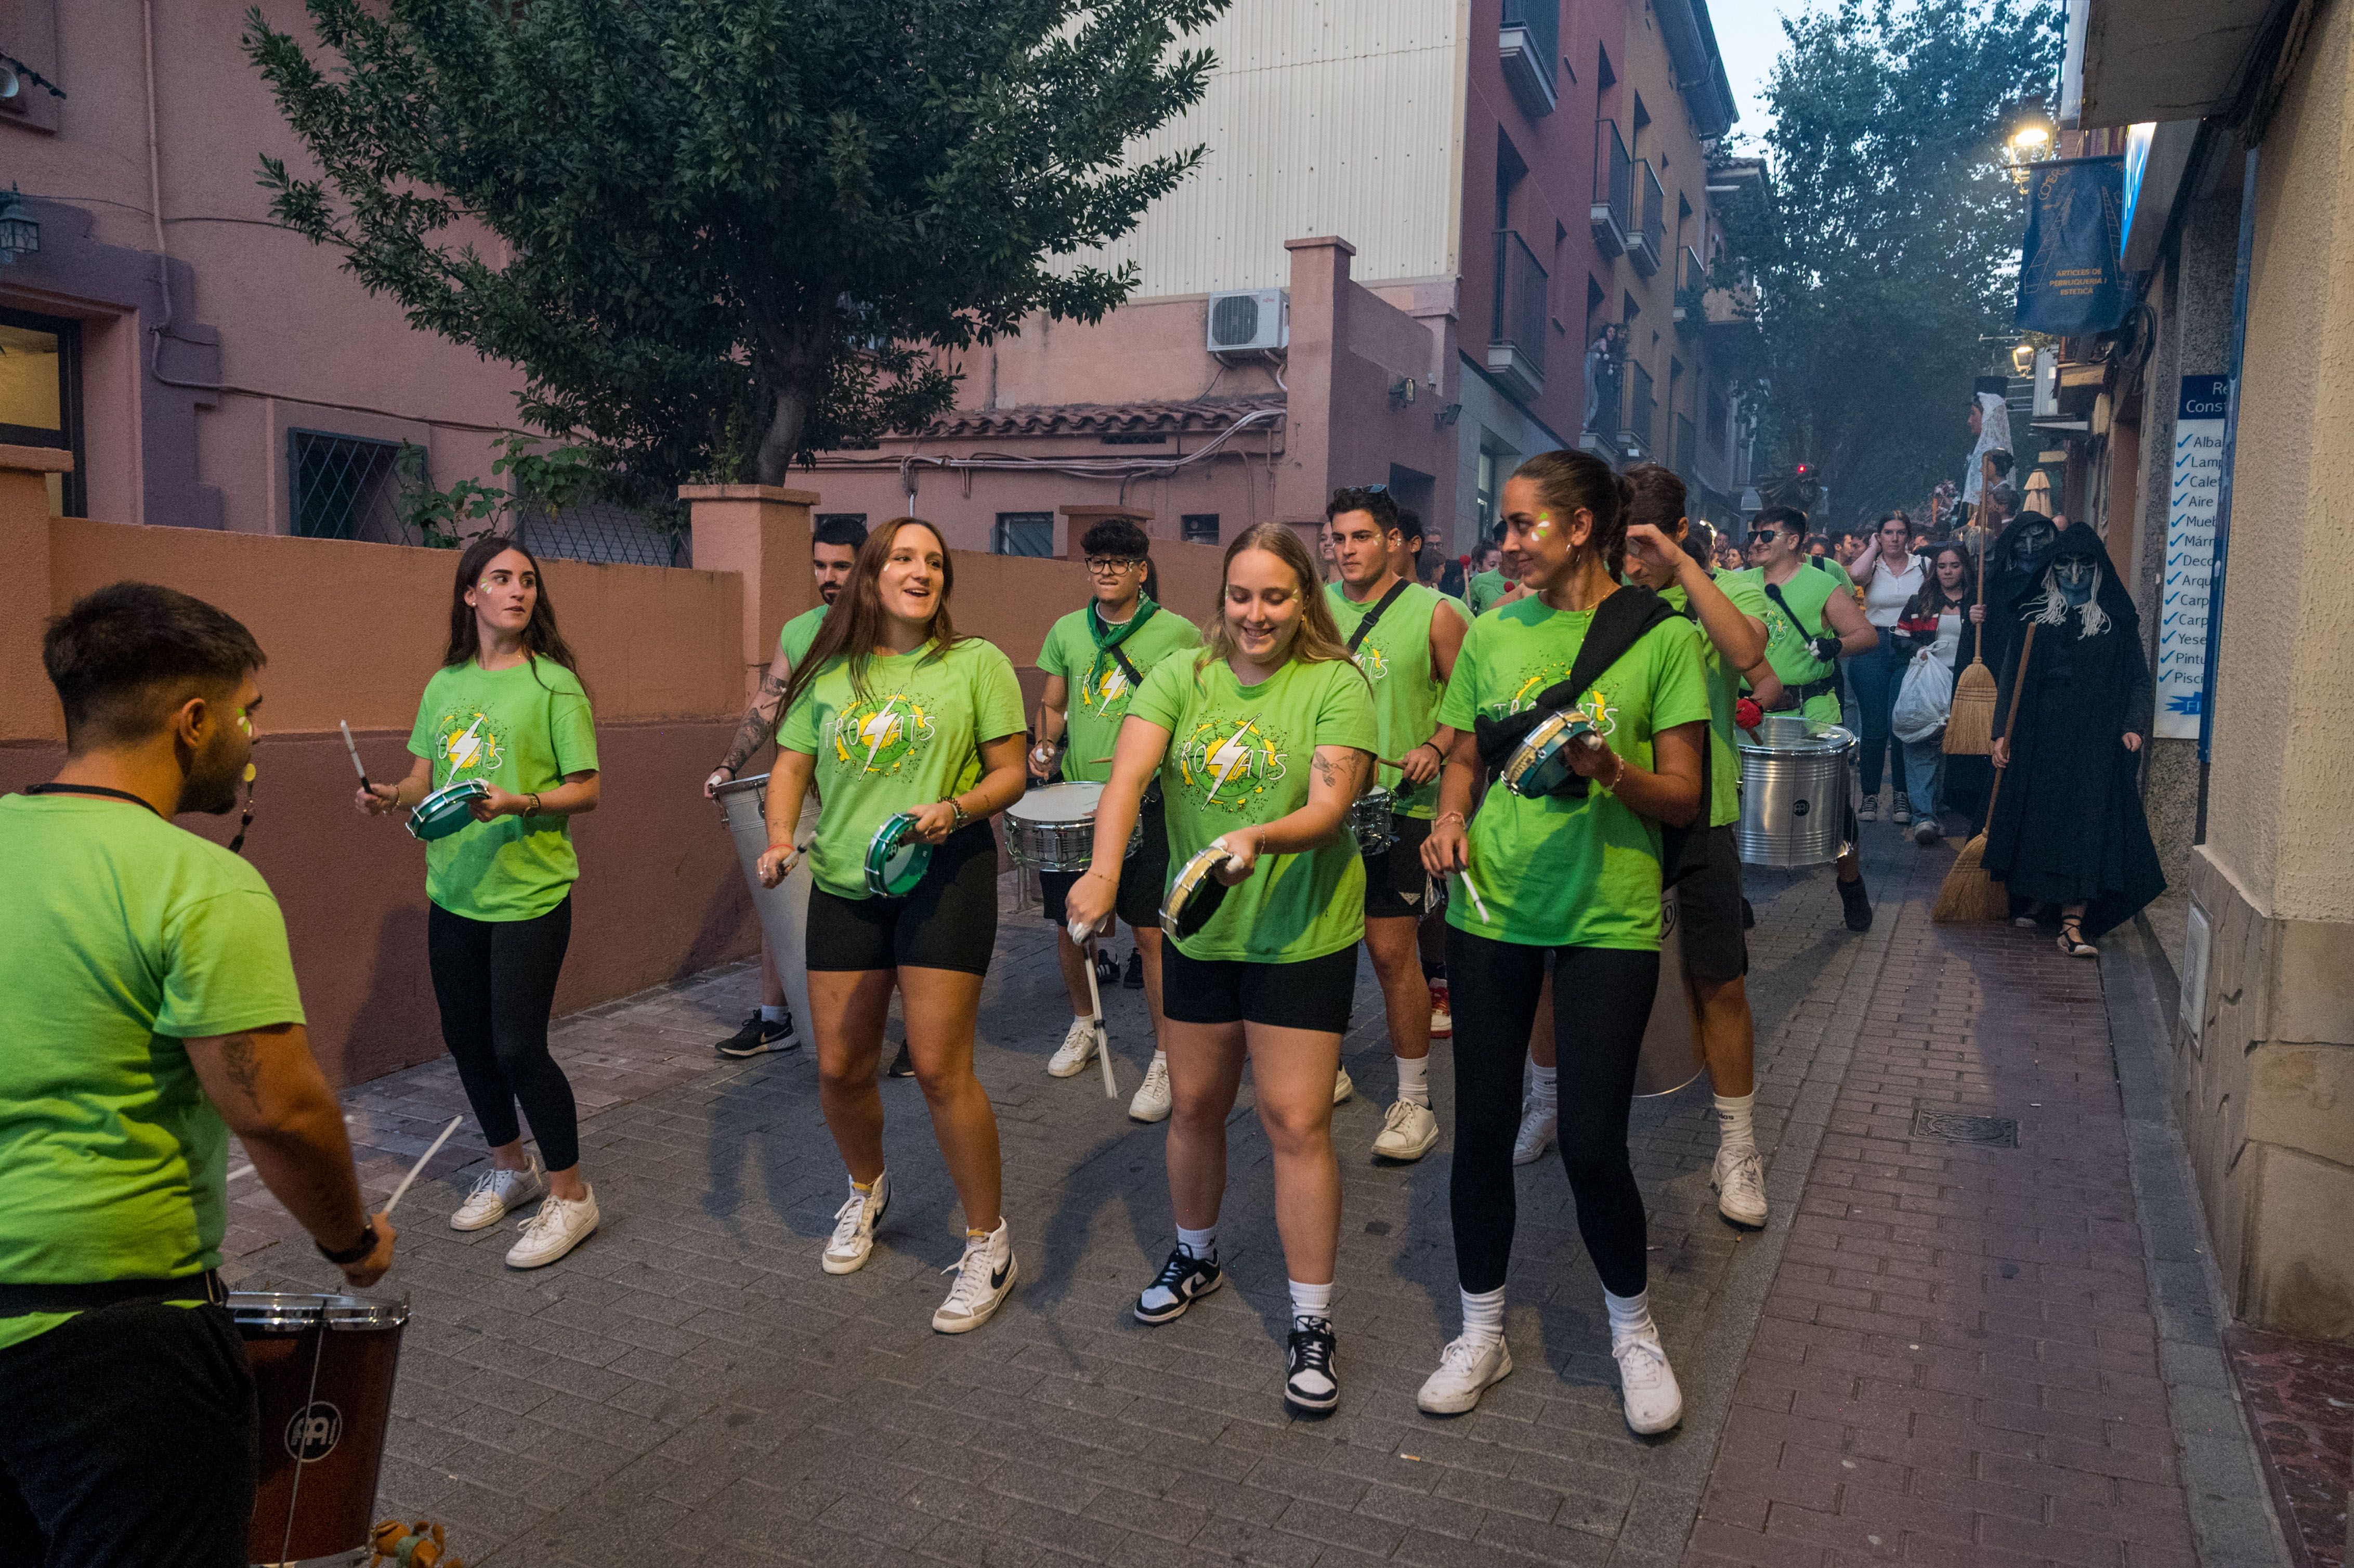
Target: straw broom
1968,893
1969,722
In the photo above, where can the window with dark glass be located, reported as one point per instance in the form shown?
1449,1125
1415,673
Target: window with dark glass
347,487
40,396
1024,534
1199,527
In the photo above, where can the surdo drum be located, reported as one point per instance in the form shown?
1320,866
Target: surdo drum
323,1370
784,909
1052,828
1794,791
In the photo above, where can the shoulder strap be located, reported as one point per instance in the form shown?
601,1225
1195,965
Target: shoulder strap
1774,592
1375,614
1618,625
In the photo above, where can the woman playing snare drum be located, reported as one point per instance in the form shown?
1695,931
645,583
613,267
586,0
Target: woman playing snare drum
1261,742
892,714
507,709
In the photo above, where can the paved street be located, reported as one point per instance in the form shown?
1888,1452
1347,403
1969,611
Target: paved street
1947,1358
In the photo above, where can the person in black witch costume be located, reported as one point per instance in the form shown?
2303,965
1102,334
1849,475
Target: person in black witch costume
2068,828
2015,563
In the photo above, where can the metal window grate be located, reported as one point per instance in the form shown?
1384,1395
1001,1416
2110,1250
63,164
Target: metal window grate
607,532
346,487
1024,534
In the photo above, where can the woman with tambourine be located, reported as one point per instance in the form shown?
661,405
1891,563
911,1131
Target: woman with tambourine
912,736
506,756
1589,701
1261,741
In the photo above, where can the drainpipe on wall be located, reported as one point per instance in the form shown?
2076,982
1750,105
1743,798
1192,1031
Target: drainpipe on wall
2223,485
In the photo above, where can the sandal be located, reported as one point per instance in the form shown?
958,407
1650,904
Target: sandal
2071,938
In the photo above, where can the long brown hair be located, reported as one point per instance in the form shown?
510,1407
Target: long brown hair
855,625
1318,636
1571,481
1931,598
541,639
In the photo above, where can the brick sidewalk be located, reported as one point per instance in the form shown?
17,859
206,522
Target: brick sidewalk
1959,1361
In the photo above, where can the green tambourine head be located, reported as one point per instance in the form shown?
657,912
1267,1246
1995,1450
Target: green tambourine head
897,859
1540,765
1195,896
444,812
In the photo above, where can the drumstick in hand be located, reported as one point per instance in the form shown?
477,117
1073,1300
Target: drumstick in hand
1472,888
354,747
398,1192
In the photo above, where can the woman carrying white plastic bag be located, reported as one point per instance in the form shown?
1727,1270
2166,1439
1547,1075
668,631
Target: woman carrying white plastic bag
1934,625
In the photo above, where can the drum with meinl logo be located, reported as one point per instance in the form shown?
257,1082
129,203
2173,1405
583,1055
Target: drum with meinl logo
1794,791
324,1368
784,909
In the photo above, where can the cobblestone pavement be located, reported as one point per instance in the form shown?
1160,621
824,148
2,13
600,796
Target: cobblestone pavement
688,1387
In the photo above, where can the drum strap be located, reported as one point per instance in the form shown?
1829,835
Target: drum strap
1365,626
16,1300
1619,622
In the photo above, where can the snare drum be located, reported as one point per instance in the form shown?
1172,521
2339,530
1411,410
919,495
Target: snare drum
446,810
1373,819
323,1373
895,858
1195,896
1052,828
1539,765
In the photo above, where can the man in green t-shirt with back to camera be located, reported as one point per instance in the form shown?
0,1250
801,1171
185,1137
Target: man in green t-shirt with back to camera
147,1010
833,546
1094,659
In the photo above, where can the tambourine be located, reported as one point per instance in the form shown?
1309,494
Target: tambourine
1195,894
895,858
445,811
1540,765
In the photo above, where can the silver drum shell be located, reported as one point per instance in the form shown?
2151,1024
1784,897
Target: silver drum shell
1797,783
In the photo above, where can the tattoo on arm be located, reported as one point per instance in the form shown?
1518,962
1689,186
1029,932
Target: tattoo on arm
237,1059
1334,774
759,723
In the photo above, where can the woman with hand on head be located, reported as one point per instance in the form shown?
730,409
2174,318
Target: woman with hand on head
1572,872
891,714
1262,741
1890,574
506,709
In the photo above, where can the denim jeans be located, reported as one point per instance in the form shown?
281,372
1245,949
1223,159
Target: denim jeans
1876,676
1923,763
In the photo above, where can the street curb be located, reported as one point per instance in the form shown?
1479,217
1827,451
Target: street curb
2233,1522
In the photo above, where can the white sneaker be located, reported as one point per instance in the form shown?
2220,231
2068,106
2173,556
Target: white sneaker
1926,831
1408,1132
985,1277
1152,1101
1465,1367
853,1241
561,1225
1647,1384
1342,1088
1538,1124
1739,1183
497,1192
1078,1048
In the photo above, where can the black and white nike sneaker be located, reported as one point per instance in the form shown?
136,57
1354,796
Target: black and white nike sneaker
1183,1280
759,1036
1309,1385
985,1278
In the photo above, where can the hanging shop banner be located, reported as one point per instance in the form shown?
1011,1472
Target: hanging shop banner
2071,271
2189,555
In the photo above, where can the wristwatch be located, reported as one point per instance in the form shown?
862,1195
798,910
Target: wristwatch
365,1245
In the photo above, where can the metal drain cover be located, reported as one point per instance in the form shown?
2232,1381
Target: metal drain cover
1955,1127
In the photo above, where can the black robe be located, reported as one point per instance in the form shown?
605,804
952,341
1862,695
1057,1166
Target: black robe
2068,825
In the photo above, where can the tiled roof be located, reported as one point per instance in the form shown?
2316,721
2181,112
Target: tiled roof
1102,419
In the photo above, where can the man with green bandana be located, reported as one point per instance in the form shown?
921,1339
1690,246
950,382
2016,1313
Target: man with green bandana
1094,659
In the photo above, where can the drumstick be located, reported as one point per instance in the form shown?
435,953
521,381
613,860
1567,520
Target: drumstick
354,747
1472,888
389,1203
1094,1007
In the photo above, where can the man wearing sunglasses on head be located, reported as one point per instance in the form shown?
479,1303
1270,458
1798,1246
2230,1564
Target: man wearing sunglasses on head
1094,659
1812,619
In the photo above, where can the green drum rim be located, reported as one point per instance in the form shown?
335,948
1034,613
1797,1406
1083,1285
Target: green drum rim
444,812
890,840
1540,749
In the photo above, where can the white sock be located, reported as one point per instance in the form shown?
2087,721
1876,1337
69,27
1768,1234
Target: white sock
1198,1244
1414,1080
1543,1084
776,1014
1161,1058
1483,1314
1083,1017
1630,1317
1733,1124
1311,1300
1000,1242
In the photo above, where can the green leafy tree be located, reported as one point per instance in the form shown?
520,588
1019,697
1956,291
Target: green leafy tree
1887,246
719,236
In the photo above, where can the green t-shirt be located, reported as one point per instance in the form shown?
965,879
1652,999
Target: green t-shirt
1485,590
1098,688
1557,872
1395,658
1240,755
124,936
520,728
1785,642
793,641
1723,691
911,736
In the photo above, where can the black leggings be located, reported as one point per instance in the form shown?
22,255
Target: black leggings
1602,1001
495,980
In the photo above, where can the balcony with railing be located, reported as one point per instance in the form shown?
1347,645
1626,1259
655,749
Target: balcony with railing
1683,455
1643,246
1614,190
1618,425
1691,283
1516,337
1529,46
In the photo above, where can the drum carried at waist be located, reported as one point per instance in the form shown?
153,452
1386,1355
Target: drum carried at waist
1052,828
324,1368
446,810
1794,786
895,858
1194,894
1373,819
1540,765
784,909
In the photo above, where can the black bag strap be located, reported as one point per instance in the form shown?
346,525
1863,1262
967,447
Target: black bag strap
1618,624
1375,614
1774,592
1127,667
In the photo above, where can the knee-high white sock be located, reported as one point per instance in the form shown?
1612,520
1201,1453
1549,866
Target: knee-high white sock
1483,1314
1630,1317
1311,1300
1734,1130
1414,1080
1545,1087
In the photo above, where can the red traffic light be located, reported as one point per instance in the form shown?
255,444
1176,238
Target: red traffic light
1802,471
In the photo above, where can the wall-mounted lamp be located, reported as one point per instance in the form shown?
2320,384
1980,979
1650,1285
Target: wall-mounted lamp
1445,418
20,235
2022,360
1402,392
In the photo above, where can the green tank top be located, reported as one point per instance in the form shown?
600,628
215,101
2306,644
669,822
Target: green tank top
1395,658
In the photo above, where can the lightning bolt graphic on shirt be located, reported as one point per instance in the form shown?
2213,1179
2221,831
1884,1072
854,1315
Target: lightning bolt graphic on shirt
1227,759
461,755
877,730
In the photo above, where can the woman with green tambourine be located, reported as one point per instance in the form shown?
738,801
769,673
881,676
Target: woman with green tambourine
913,738
507,756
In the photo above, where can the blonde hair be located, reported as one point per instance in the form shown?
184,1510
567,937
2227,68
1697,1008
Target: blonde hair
1318,636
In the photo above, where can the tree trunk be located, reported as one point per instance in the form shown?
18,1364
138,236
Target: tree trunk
774,463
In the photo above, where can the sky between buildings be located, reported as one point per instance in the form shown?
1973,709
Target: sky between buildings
1749,34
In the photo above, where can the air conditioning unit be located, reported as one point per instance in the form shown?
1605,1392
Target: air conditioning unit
1248,321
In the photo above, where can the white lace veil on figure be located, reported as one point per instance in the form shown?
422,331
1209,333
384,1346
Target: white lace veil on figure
1994,435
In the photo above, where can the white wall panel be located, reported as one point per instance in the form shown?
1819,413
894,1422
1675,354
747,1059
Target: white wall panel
1324,117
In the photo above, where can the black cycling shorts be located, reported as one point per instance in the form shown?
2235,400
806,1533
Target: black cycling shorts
1708,913
949,922
1143,877
1396,885
1312,993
